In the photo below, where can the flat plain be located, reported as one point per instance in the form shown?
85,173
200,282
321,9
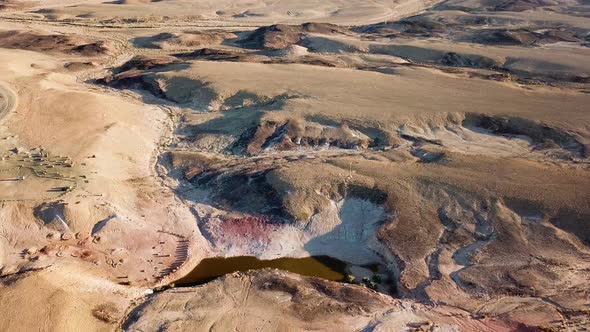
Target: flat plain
406,165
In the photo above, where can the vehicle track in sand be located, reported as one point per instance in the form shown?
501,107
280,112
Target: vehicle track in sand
8,100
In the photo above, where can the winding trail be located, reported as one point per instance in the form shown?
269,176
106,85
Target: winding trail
8,100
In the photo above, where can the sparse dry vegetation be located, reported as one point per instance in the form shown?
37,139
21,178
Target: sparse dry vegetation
106,312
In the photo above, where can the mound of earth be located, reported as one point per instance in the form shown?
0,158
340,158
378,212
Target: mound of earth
66,298
140,63
80,66
212,54
525,37
431,158
522,5
131,2
281,36
67,44
172,41
12,5
275,300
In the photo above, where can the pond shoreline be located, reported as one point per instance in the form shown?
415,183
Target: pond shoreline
324,267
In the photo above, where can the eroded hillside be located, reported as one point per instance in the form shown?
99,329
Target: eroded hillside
436,152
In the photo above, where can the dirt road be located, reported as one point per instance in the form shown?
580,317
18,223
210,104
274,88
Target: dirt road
7,101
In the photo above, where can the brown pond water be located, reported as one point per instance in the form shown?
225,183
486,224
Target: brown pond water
316,266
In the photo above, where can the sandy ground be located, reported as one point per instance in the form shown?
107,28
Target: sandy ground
137,138
234,12
245,298
385,98
102,222
63,298
7,101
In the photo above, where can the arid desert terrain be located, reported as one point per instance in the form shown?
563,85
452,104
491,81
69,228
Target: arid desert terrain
295,165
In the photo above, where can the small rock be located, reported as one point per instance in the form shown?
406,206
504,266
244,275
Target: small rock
66,236
17,150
